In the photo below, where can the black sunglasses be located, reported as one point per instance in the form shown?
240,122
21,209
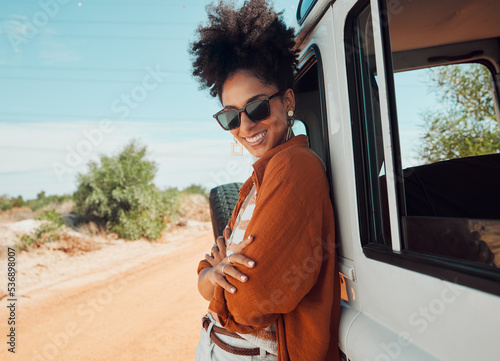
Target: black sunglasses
256,111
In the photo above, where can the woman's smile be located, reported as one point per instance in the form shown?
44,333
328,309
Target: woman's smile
256,140
263,135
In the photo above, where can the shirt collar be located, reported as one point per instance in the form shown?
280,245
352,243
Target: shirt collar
260,165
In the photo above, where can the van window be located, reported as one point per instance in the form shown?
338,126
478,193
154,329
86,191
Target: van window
370,133
450,151
446,141
310,117
299,127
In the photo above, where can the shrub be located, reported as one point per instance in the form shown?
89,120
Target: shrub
39,202
18,202
171,200
5,203
120,191
52,216
196,189
42,200
48,231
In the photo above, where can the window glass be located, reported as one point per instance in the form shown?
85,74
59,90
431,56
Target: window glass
308,116
304,7
299,127
447,112
450,150
371,130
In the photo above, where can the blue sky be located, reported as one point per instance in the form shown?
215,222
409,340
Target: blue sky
82,78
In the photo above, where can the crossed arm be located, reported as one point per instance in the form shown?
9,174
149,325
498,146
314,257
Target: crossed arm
221,265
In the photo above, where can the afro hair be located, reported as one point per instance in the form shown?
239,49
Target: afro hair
253,38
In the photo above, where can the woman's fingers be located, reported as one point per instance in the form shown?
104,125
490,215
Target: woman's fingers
235,273
221,244
218,251
240,247
242,260
222,267
220,278
222,281
215,247
221,250
227,233
210,259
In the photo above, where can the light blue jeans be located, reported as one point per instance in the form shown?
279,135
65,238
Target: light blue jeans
209,351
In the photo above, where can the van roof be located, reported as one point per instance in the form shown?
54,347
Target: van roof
422,23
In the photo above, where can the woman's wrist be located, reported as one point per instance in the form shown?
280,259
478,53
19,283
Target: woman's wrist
209,273
205,285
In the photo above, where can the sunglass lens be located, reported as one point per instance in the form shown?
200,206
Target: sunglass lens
228,119
258,110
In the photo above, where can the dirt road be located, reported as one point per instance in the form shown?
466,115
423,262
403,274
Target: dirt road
150,312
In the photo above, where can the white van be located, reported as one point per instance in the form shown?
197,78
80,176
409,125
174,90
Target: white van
419,244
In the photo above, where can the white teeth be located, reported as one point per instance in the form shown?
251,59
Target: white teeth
256,138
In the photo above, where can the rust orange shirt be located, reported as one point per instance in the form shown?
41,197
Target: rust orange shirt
295,280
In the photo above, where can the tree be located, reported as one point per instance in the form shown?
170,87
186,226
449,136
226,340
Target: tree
120,191
467,124
5,203
196,189
18,202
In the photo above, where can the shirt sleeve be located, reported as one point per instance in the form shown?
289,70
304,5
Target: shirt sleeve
288,250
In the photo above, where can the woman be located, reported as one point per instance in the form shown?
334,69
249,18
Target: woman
272,283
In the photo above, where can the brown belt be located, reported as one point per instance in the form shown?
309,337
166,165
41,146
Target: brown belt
226,347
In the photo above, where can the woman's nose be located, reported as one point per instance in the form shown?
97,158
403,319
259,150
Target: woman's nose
245,122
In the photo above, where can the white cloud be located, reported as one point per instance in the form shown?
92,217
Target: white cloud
15,27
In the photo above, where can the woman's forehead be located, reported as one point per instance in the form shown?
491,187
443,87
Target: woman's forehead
243,87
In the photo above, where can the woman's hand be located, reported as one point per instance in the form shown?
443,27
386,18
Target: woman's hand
222,265
218,249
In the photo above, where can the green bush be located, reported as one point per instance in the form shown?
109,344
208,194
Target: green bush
171,200
48,231
39,202
42,200
196,189
52,216
18,202
5,203
120,191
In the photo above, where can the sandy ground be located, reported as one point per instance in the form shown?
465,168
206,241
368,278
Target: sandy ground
125,301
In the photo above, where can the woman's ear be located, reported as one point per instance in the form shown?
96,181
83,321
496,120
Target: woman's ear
289,100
